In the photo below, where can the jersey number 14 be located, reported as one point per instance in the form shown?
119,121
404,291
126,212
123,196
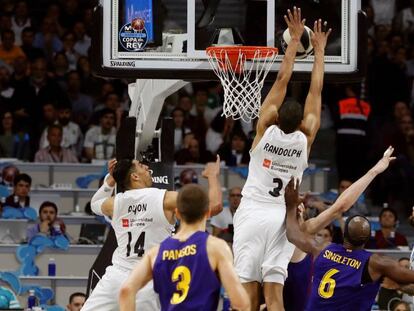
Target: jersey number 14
139,244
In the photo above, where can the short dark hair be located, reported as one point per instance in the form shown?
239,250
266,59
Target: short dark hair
54,126
23,177
290,115
106,111
77,294
192,203
121,173
28,29
46,204
403,258
389,209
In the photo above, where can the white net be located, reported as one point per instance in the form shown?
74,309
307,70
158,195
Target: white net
242,73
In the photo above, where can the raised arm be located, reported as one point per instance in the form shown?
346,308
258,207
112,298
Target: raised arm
138,278
215,196
312,110
274,99
348,198
295,235
102,201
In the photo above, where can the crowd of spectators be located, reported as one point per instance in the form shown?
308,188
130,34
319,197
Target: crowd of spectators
53,109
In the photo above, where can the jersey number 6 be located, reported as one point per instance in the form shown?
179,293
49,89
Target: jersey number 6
327,285
275,192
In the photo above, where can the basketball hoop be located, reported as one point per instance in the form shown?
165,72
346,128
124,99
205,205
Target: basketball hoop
242,81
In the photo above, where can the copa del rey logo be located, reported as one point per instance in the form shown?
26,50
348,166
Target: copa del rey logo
125,222
266,163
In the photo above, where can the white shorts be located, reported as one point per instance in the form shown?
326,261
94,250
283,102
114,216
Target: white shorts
105,295
261,249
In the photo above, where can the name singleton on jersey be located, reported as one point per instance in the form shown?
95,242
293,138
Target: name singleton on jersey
282,151
135,208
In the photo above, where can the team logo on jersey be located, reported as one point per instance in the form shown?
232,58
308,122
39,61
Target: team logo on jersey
125,222
267,163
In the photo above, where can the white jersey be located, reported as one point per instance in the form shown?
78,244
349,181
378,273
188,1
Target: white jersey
275,159
139,223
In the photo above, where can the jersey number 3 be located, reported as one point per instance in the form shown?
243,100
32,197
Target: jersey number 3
327,285
182,275
139,244
275,192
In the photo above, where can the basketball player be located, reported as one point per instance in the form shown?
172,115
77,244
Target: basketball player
284,135
141,217
296,290
345,277
187,268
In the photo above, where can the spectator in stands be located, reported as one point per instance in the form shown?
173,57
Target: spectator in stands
8,50
14,143
70,13
100,140
192,154
69,41
53,12
6,90
20,196
112,101
179,129
21,71
187,176
387,237
76,301
89,83
401,306
235,152
54,152
82,104
325,235
49,224
20,20
388,295
31,52
83,41
47,39
384,11
223,223
72,134
61,69
30,96
353,113
8,174
404,22
8,299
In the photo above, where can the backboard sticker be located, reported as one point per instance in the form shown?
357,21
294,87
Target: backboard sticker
133,36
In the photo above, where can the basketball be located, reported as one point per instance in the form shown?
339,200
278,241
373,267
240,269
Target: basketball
305,47
138,24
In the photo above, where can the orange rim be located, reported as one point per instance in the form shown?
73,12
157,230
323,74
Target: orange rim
233,52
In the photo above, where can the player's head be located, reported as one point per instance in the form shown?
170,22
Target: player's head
131,174
290,116
404,262
192,204
325,235
357,231
401,306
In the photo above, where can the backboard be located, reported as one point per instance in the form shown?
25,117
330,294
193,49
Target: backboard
166,39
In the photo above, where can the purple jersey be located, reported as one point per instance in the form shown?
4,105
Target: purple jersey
183,277
337,281
297,285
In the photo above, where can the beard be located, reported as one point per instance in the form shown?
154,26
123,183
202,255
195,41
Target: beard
64,121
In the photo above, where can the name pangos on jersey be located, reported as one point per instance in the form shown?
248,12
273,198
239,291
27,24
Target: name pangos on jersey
139,223
274,160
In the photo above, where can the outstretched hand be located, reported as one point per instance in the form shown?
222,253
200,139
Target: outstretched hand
383,164
111,166
212,169
320,36
292,198
295,23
